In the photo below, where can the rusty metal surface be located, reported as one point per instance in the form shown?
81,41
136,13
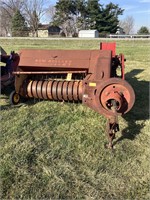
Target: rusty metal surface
39,89
100,65
101,88
55,90
44,89
49,90
48,72
98,96
58,59
119,90
59,90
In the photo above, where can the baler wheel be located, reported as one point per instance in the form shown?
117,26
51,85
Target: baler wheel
14,98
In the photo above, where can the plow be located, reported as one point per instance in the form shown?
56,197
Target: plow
95,78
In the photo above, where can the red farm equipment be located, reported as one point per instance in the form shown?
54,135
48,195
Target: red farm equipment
10,63
93,77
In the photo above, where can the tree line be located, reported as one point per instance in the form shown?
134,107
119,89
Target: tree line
18,17
75,15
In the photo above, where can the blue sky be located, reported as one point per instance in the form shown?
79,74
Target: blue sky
138,9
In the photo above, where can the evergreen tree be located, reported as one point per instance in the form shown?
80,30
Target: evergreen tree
82,14
109,18
64,16
87,14
18,25
143,30
94,13
65,9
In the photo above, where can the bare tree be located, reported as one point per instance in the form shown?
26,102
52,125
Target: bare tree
33,11
11,6
127,24
50,13
5,25
8,8
69,27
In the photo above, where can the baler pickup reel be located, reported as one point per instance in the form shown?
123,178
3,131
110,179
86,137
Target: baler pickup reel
93,77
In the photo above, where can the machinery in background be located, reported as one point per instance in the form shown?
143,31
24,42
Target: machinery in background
10,63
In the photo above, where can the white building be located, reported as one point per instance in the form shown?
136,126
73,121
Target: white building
88,34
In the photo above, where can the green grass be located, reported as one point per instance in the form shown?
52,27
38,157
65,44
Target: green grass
51,150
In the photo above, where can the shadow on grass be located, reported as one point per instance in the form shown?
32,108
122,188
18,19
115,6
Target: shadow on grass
8,106
140,110
5,94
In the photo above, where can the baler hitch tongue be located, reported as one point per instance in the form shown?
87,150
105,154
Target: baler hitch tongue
87,76
112,125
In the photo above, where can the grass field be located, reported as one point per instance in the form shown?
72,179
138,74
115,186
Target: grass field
51,150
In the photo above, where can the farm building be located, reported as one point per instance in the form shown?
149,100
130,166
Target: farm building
45,30
88,34
53,30
120,30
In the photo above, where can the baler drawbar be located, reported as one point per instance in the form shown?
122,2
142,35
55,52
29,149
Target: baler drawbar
94,77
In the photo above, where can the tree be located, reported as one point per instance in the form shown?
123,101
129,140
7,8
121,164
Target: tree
81,15
5,25
7,10
11,6
64,16
50,13
34,23
33,11
143,30
73,15
109,21
127,24
19,27
94,13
